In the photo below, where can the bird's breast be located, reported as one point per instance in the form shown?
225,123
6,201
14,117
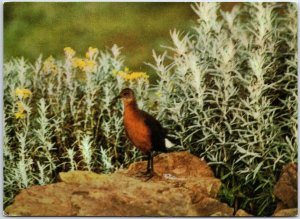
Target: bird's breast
136,130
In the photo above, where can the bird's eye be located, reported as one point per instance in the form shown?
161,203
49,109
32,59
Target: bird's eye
125,94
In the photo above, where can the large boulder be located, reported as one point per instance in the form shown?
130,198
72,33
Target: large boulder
286,187
183,185
286,191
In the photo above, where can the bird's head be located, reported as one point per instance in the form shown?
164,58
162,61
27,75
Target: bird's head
127,96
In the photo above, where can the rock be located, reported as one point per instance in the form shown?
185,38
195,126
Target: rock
287,212
180,164
209,206
242,213
286,187
183,185
280,206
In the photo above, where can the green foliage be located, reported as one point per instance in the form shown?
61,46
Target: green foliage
227,90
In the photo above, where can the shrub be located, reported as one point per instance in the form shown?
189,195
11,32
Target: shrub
58,117
230,95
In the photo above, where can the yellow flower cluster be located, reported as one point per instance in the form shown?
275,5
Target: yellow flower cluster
49,65
23,93
131,76
92,53
69,52
136,75
88,64
21,113
78,63
84,64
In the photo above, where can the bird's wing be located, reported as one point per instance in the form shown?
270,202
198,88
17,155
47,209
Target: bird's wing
157,132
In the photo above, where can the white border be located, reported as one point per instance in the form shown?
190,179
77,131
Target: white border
1,81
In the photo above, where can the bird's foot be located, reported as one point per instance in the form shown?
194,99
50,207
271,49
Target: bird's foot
146,173
149,174
149,177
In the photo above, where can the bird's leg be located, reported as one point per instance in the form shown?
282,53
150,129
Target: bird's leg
149,171
148,163
150,166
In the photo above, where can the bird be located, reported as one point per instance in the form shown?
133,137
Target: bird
142,129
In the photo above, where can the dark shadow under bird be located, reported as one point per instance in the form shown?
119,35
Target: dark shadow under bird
142,129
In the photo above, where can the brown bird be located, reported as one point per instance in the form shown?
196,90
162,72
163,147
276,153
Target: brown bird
142,129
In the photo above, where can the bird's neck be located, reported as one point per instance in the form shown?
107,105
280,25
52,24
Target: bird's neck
130,107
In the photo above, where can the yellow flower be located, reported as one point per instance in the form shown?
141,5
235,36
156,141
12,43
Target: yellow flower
69,52
126,75
84,64
23,93
90,66
49,65
21,107
91,53
136,76
20,115
78,63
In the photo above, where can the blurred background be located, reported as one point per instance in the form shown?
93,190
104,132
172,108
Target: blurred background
31,29
34,28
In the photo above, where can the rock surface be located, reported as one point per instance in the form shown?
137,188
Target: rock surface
286,191
183,185
287,212
242,213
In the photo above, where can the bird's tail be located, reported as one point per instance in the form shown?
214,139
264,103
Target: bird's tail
169,144
172,144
